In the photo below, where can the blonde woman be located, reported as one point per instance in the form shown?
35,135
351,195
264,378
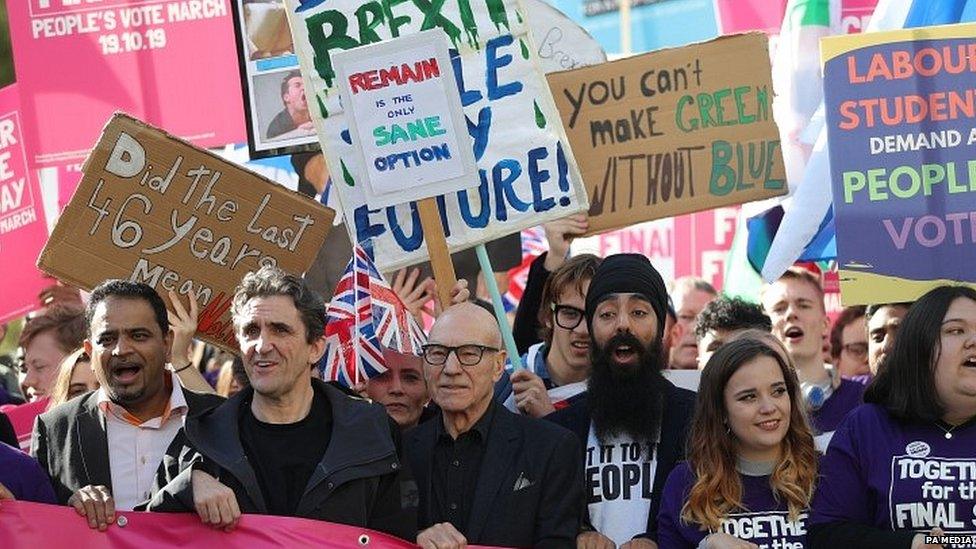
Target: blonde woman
75,378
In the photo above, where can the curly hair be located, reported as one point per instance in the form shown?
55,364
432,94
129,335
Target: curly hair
729,314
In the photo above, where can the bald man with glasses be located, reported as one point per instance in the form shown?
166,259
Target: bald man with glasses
487,476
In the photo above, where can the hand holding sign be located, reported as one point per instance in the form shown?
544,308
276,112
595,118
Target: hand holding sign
154,209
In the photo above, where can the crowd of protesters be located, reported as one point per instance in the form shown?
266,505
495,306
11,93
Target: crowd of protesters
801,433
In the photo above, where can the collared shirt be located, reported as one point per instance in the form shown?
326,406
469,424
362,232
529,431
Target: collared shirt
135,449
456,465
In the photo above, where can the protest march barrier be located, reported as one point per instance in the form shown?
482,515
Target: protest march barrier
673,131
24,524
155,209
169,62
526,171
900,110
23,226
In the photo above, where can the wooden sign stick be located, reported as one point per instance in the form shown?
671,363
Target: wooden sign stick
440,257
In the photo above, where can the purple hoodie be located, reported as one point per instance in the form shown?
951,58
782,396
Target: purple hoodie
893,476
764,520
23,476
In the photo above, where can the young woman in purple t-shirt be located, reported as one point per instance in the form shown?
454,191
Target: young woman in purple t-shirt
752,465
903,465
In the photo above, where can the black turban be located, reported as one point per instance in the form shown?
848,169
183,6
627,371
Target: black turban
628,273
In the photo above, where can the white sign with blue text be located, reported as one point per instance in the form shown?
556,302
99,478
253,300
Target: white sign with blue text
525,170
405,118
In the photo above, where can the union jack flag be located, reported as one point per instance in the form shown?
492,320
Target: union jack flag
364,316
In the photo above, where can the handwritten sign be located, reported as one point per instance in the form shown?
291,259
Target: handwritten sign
901,109
152,208
560,42
405,116
526,175
674,131
23,230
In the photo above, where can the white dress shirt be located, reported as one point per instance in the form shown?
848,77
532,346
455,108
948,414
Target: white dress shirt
136,449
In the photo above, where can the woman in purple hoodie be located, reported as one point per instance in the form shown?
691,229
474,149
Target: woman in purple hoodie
903,465
752,464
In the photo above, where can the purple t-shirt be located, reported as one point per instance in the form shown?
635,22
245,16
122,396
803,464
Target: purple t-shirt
893,476
764,520
849,395
23,476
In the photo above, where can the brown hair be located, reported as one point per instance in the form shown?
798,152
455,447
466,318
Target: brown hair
846,317
66,322
574,273
711,449
62,385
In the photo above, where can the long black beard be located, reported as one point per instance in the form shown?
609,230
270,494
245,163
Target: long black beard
625,399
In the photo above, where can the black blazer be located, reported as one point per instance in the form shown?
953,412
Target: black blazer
529,486
71,444
679,406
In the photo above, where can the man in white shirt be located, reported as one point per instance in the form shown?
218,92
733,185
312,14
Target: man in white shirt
102,449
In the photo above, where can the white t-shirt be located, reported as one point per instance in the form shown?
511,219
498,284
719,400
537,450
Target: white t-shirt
619,481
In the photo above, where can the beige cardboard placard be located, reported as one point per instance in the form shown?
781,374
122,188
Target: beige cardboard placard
673,131
155,209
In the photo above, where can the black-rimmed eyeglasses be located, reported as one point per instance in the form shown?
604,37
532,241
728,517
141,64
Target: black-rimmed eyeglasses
567,316
467,355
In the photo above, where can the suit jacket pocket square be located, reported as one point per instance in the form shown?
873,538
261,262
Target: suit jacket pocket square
521,483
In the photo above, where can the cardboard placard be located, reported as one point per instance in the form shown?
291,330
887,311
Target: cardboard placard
900,115
155,209
526,171
405,118
674,131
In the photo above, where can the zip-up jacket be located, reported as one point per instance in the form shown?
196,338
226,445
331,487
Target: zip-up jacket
357,482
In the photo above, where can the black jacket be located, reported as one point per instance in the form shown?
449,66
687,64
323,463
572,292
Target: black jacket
357,481
679,407
71,444
525,329
529,486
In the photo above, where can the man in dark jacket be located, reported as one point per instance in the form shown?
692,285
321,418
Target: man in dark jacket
288,445
633,420
102,449
487,476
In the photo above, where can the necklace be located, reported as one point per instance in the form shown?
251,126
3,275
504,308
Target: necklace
948,431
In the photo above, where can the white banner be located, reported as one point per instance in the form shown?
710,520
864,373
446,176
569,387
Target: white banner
526,171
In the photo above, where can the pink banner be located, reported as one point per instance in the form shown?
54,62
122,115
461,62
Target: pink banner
694,244
29,525
767,15
171,63
22,419
23,230
749,15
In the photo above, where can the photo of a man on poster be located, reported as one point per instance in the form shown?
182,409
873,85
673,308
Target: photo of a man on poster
294,119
